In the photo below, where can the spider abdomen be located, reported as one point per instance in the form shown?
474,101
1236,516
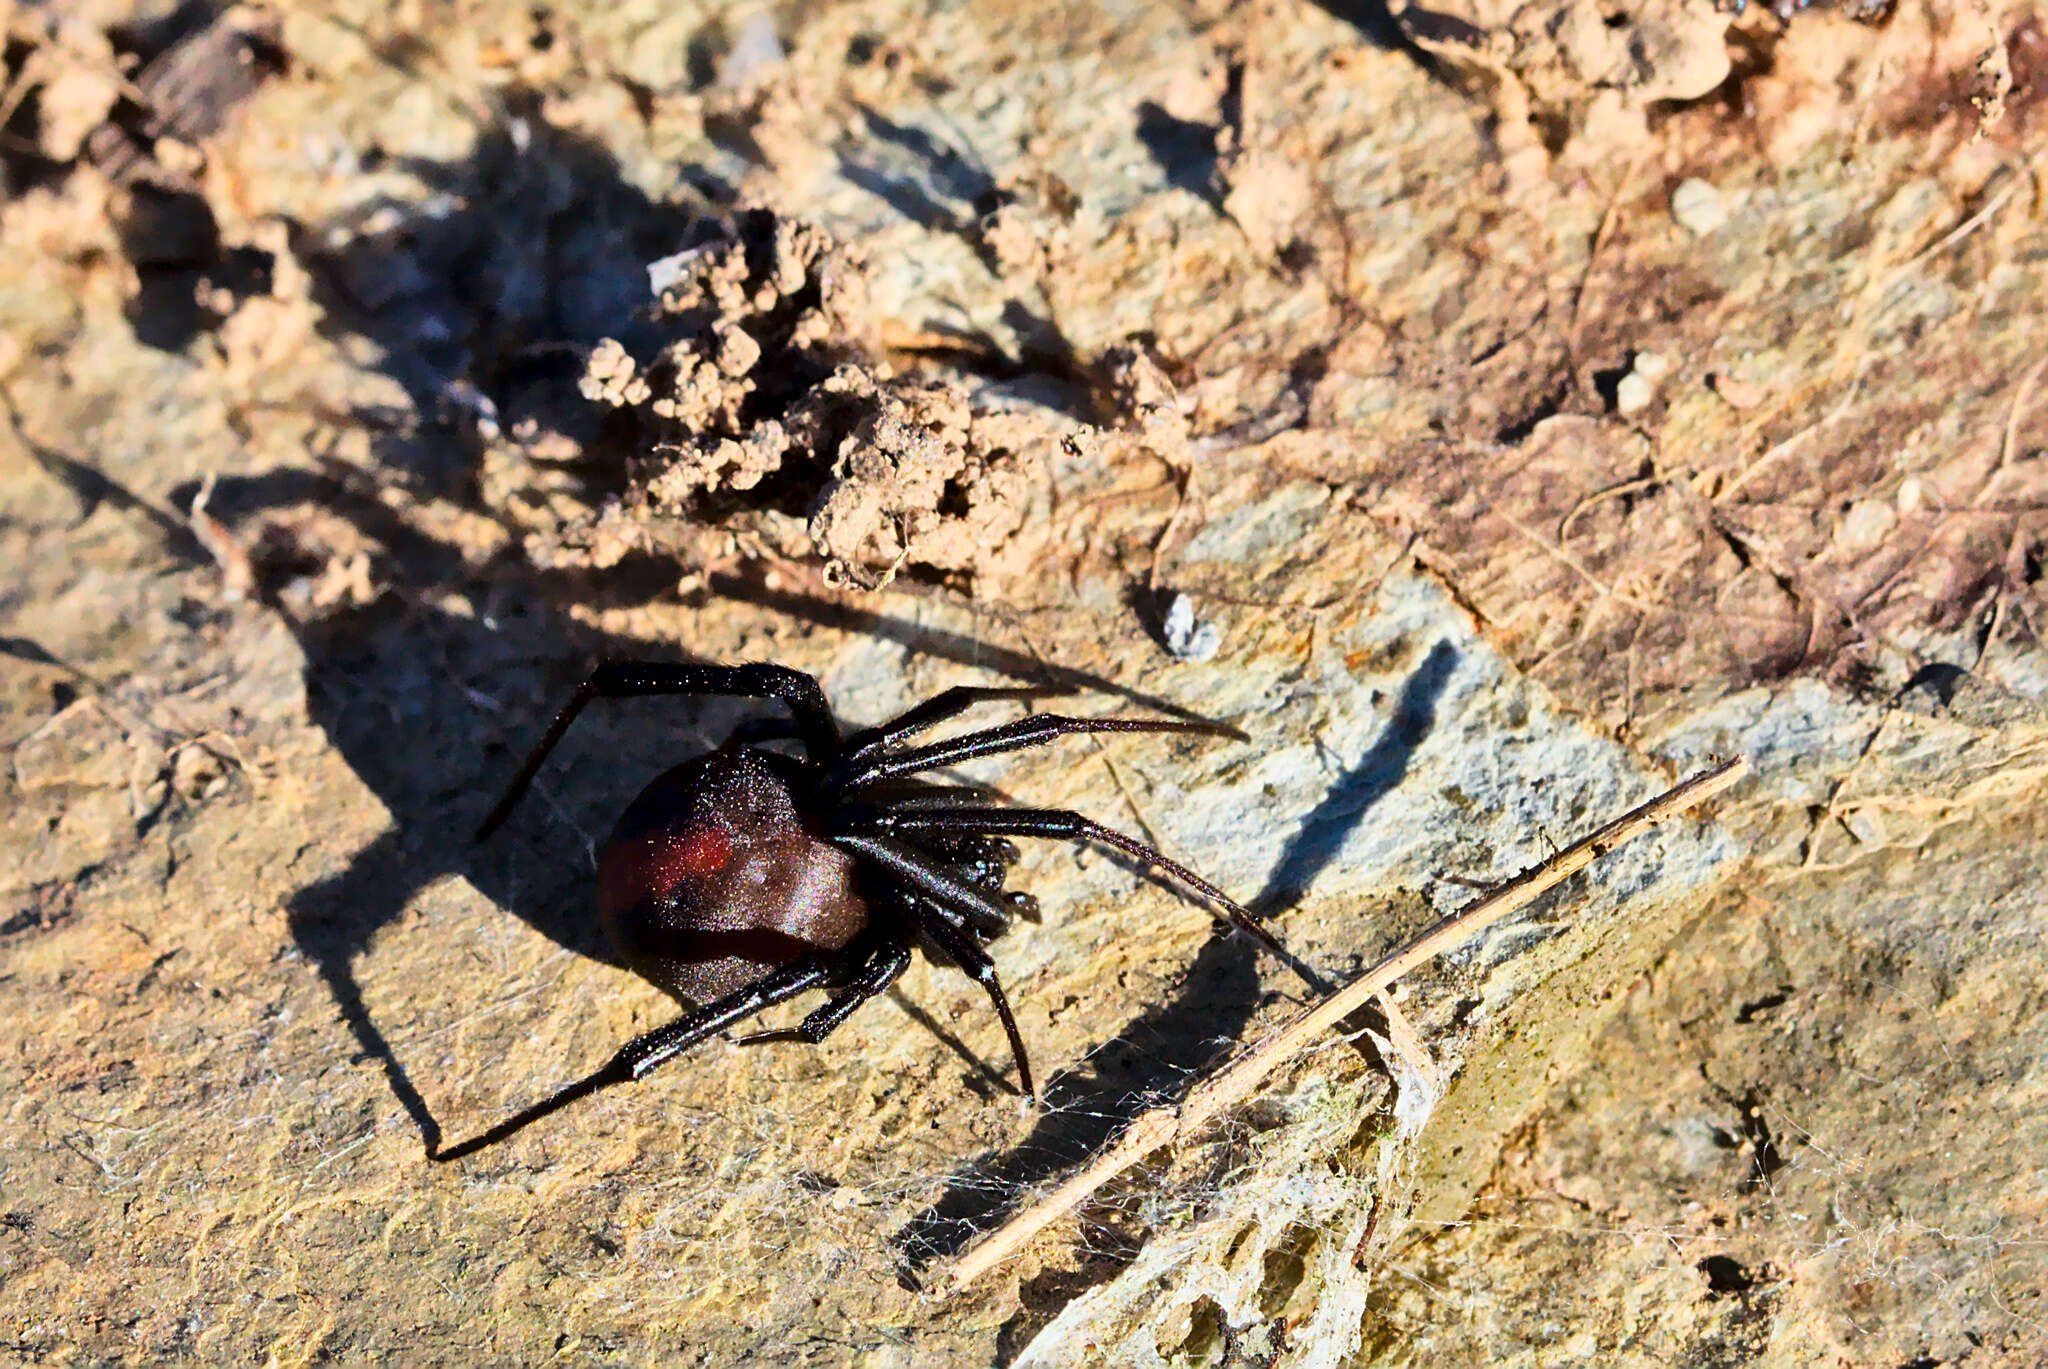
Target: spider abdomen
712,878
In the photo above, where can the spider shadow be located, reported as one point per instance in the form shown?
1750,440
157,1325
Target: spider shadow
428,706
1320,838
477,296
1152,1059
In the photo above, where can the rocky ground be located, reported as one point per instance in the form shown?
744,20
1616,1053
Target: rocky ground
1498,411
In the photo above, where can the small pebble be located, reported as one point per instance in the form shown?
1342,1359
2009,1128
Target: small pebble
1187,639
665,272
1633,394
1738,394
754,53
1636,389
1697,207
1866,525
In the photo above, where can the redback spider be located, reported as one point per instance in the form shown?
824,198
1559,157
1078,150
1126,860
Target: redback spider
743,878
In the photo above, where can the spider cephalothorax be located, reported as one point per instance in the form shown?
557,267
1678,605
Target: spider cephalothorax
745,877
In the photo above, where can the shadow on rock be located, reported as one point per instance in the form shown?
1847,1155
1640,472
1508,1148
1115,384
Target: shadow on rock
429,705
533,246
1321,836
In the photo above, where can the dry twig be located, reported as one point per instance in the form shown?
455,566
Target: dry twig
1243,1073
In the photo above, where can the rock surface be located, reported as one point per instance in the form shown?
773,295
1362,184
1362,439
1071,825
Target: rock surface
1241,312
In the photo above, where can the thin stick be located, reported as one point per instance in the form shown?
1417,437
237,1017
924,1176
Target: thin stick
1971,224
1248,1068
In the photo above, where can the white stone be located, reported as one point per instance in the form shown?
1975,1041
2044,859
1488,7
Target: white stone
1633,394
1697,207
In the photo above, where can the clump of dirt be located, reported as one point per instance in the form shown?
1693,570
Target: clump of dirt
1566,70
922,480
1578,79
69,69
1147,406
1027,235
771,415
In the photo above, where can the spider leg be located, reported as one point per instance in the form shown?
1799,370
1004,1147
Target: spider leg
935,710
644,1053
945,907
958,946
883,968
629,679
1062,824
1035,730
913,872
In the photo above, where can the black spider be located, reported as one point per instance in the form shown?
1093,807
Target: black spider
742,878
